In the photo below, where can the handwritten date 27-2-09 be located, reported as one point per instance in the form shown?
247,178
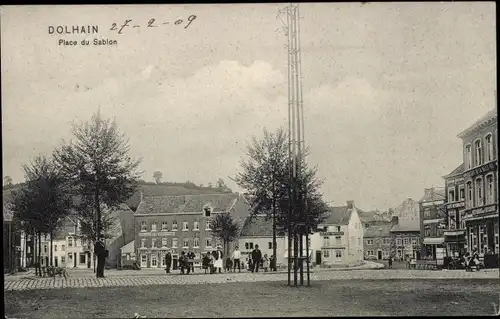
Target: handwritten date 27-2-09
152,23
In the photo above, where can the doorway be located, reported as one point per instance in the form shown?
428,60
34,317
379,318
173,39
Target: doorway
318,257
55,262
379,255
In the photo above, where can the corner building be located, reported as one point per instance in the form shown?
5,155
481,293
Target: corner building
480,143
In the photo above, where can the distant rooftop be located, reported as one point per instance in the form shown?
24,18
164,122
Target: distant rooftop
457,171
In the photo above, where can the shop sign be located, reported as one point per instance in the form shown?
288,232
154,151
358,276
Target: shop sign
456,205
486,209
492,166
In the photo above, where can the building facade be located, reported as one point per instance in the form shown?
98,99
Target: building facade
405,238
433,223
454,234
181,223
258,230
377,240
481,180
342,237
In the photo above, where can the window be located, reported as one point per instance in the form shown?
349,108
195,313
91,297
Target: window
451,196
144,260
338,240
338,228
143,243
413,241
63,247
469,193
174,225
326,253
63,259
164,226
490,189
270,245
369,242
164,242
45,248
326,241
468,156
387,241
144,226
153,243
196,242
462,193
398,241
479,153
207,225
154,261
338,253
248,245
185,226
207,211
407,241
489,147
196,226
479,192
370,253
174,242
185,243
70,256
70,241
82,258
153,226
55,247
208,243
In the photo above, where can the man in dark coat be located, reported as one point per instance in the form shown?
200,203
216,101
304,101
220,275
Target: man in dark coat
101,253
168,262
256,258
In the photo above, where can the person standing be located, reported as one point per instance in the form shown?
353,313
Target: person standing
101,253
390,262
190,266
236,259
218,259
168,262
256,258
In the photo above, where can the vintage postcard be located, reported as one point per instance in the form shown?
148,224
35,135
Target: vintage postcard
306,159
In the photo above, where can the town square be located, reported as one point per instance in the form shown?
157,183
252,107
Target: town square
250,160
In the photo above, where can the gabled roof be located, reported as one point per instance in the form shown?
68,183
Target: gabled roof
373,216
339,215
488,117
185,203
457,171
406,225
128,248
257,225
433,195
378,230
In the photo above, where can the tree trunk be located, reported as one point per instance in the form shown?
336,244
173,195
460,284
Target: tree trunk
39,263
274,259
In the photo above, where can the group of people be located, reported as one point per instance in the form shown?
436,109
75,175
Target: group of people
212,262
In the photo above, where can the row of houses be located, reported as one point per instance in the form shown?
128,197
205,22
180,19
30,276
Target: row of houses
459,217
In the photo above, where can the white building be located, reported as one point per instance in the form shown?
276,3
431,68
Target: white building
258,230
341,238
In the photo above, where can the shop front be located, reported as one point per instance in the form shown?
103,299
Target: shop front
482,230
455,241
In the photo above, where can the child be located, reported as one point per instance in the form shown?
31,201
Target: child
229,264
206,262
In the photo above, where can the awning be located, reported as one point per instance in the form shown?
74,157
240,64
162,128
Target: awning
304,253
433,241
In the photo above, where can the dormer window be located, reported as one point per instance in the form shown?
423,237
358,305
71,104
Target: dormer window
153,226
185,226
207,211
174,225
144,226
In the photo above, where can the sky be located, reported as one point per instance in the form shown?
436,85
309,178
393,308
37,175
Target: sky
387,88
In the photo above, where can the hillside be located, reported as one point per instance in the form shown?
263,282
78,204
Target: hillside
162,189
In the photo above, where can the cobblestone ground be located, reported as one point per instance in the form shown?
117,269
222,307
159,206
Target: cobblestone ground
31,283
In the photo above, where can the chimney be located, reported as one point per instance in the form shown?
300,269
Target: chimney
394,220
350,204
